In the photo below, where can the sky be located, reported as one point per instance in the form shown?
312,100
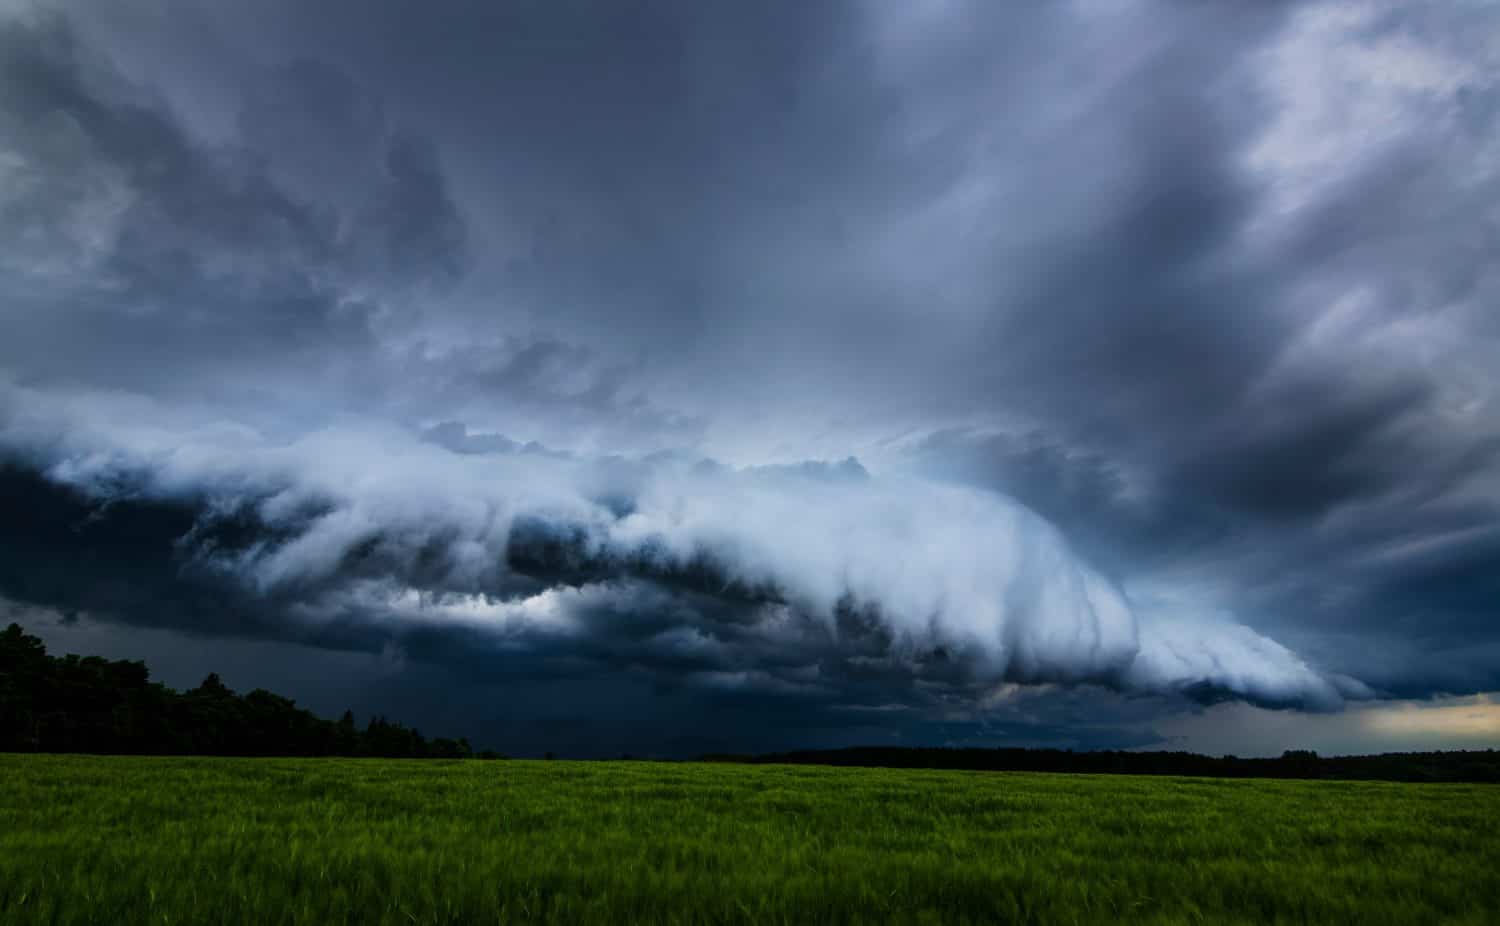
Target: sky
672,377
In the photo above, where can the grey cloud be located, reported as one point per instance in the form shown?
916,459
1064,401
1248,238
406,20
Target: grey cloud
1207,288
455,436
188,254
298,255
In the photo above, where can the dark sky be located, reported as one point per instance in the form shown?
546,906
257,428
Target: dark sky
667,377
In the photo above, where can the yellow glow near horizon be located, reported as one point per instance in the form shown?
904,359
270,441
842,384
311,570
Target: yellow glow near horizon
1474,716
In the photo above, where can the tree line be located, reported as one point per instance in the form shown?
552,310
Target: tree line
88,704
1471,765
94,705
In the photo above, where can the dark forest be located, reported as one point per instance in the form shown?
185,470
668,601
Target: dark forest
88,704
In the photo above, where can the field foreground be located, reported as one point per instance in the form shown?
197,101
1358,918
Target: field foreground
136,840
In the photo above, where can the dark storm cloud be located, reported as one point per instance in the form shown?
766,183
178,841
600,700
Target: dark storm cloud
1297,411
680,569
377,313
156,260
697,658
177,253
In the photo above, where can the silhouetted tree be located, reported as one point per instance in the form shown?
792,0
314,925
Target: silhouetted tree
89,704
1298,763
93,705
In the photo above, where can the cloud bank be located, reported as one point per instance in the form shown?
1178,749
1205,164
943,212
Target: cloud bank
363,523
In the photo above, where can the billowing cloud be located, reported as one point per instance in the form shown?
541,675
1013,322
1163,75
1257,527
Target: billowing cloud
777,576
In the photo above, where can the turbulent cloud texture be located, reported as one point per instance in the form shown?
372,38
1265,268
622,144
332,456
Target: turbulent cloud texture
809,571
520,342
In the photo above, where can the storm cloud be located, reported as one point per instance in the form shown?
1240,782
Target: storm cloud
869,360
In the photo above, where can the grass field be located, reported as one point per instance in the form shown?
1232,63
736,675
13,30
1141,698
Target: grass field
142,840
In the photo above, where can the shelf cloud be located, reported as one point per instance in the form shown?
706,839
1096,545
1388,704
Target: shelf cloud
791,572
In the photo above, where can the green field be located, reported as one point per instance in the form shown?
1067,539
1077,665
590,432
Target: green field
144,840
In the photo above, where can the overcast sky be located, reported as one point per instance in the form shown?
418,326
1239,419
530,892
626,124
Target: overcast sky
668,377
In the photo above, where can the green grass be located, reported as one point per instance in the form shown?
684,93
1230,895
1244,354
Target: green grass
322,841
